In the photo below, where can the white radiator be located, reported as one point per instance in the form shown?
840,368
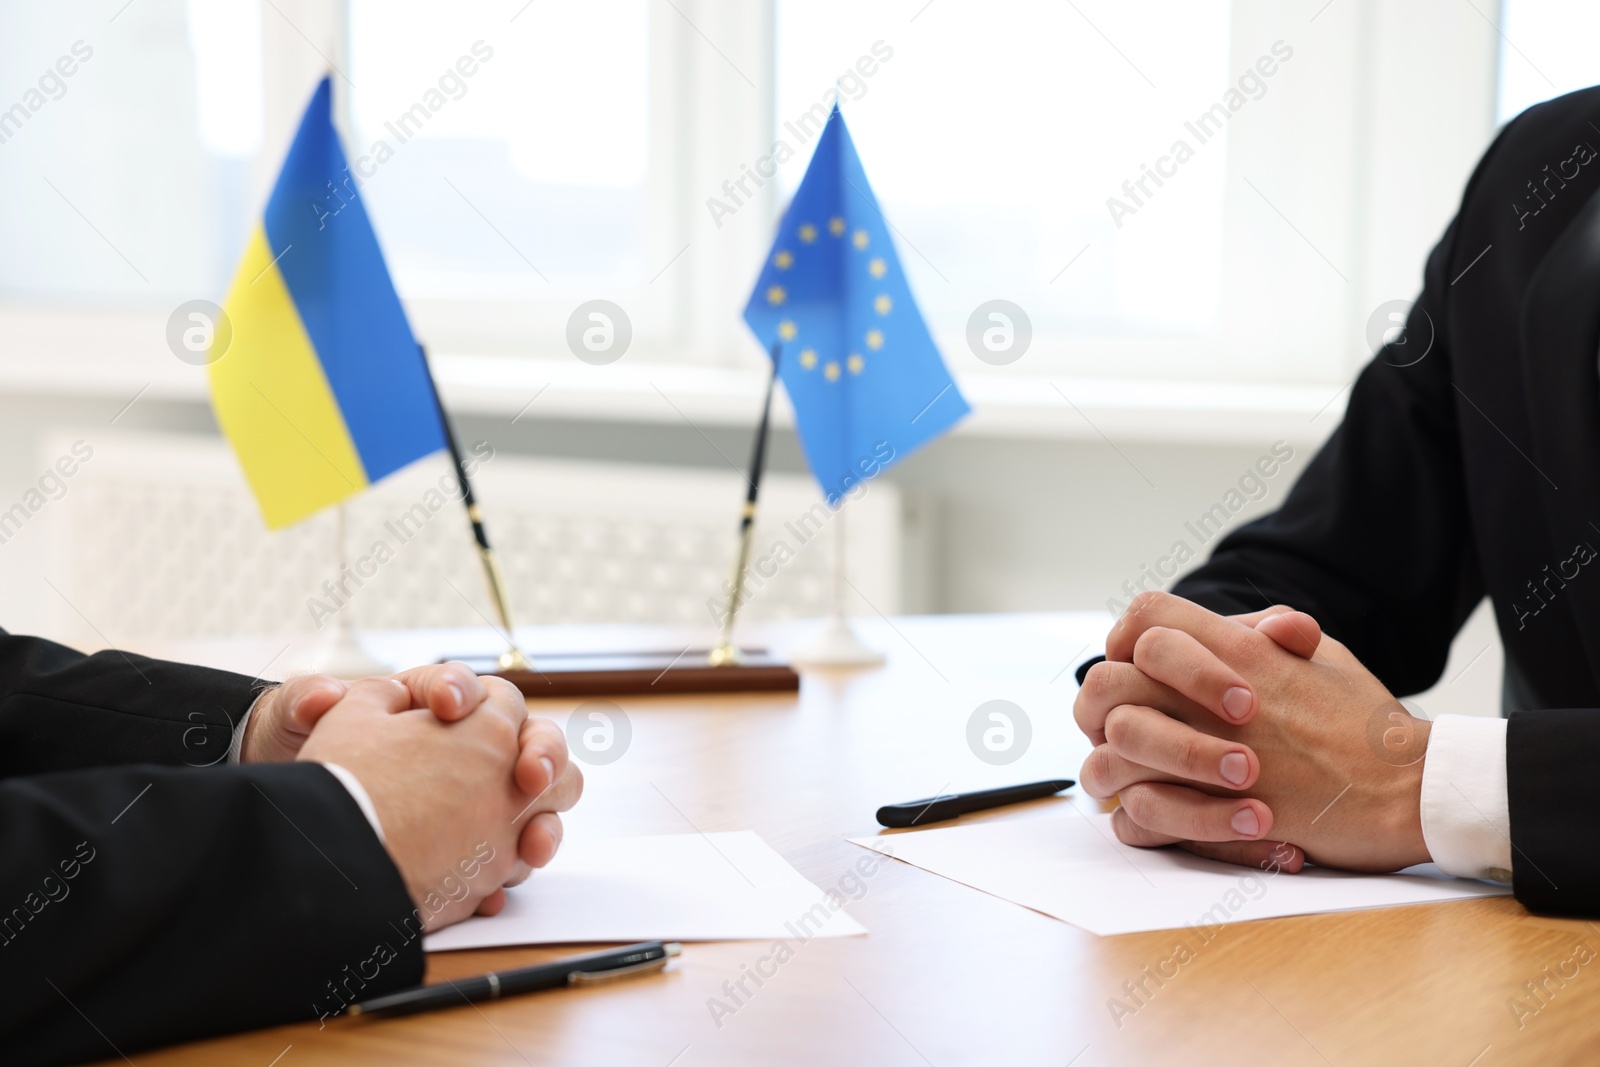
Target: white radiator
157,538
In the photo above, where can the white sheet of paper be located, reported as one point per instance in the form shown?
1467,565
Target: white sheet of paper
1074,869
675,887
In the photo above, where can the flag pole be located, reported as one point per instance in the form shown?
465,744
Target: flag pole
338,652
727,654
838,645
513,658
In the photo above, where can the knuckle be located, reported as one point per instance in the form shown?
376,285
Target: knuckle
1081,714
1096,683
1192,820
1140,803
1122,727
1189,754
1151,644
1097,771
500,689
1145,601
547,734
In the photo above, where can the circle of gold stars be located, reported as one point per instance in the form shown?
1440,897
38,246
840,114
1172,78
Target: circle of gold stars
878,267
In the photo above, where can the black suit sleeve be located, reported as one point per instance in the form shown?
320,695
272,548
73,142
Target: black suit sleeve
149,893
1374,539
1554,793
61,710
145,905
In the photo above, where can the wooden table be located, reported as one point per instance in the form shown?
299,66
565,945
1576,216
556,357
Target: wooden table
949,975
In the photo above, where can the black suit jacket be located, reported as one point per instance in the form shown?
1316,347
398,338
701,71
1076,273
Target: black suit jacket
149,892
1473,470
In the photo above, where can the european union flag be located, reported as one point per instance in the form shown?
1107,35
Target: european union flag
867,383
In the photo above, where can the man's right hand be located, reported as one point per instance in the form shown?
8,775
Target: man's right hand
453,797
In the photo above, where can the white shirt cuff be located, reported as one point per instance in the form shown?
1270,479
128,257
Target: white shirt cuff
1466,813
359,792
236,746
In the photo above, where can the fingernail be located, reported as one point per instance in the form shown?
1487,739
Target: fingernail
1236,703
1245,823
1235,768
549,771
455,693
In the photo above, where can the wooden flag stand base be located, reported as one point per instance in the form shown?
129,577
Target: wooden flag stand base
727,668
586,674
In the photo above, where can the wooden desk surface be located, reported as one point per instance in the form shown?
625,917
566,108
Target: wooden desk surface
949,975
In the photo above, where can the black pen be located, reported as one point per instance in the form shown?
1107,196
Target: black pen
574,970
948,806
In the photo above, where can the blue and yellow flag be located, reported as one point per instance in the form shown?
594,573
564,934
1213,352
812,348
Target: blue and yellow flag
322,390
867,382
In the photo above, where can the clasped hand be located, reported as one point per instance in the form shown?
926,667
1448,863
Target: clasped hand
462,778
1254,739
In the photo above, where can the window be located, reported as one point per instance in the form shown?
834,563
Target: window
1124,173
1151,183
125,150
511,164
1546,50
996,132
547,141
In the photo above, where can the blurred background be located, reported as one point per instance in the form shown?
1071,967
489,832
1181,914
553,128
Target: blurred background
639,151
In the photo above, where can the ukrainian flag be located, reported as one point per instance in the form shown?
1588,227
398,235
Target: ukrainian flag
323,390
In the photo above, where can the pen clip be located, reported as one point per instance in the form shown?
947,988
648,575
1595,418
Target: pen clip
596,977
